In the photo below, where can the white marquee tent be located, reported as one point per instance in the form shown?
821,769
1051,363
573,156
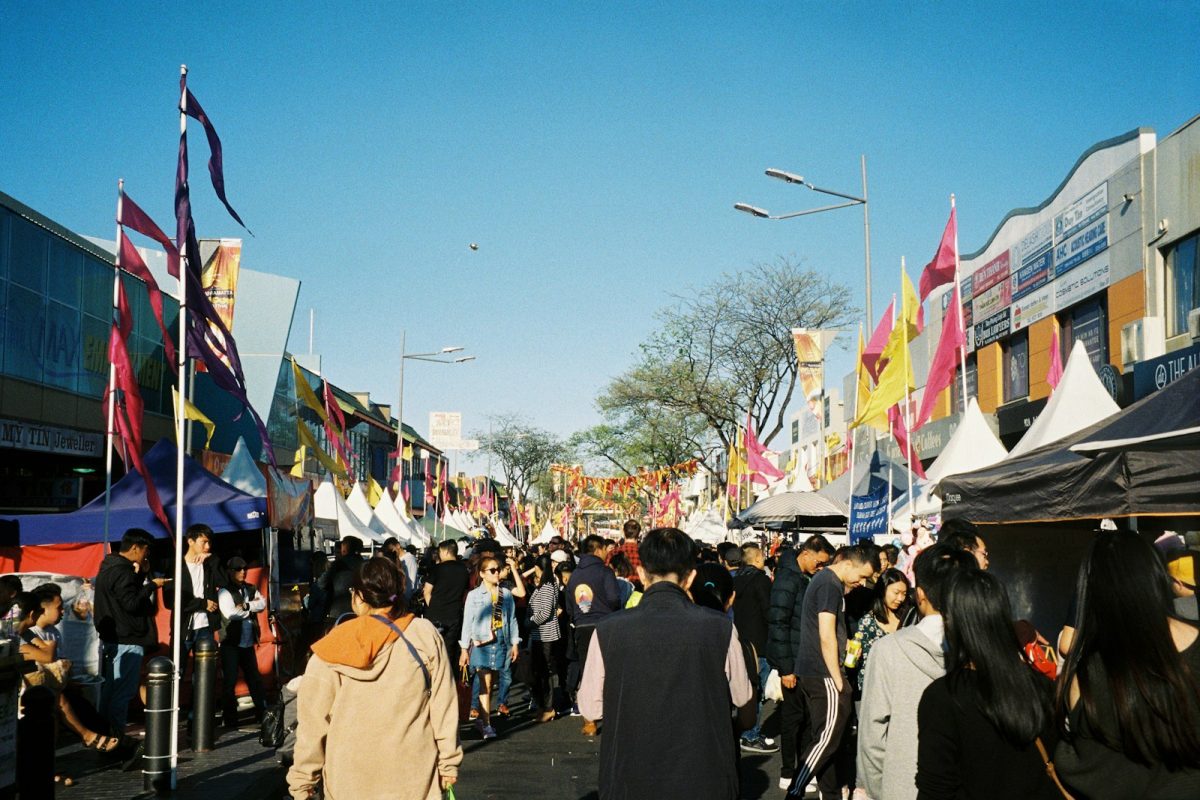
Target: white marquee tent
548,533
329,505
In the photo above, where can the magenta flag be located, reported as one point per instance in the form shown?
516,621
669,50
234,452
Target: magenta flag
940,270
134,218
131,262
945,360
900,433
762,471
1055,373
874,348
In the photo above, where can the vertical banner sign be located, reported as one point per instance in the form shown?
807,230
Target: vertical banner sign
219,279
810,355
868,515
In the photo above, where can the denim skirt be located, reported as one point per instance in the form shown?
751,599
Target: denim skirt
492,655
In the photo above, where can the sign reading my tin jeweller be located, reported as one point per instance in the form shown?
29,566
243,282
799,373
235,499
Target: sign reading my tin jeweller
46,439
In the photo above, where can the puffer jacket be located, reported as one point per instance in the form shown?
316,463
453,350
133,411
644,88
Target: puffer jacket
783,616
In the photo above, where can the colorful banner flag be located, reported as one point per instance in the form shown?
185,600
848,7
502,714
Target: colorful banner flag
896,378
904,442
307,440
942,269
194,414
868,515
760,468
219,278
945,360
130,215
1055,372
878,340
810,357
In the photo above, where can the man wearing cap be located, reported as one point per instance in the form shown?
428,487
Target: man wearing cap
240,603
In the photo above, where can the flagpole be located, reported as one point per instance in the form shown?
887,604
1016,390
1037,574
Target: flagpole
908,456
112,371
181,363
850,432
962,351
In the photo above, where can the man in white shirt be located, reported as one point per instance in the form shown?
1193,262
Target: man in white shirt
202,579
240,604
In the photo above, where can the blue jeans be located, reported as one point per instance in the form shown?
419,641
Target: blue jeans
505,682
121,666
764,671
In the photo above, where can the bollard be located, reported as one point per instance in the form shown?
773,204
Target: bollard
204,690
156,762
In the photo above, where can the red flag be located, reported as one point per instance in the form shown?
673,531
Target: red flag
131,216
761,468
1055,373
900,432
879,339
945,360
335,427
941,269
131,261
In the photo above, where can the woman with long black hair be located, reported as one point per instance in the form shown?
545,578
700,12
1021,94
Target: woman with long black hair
1128,699
886,615
546,638
983,725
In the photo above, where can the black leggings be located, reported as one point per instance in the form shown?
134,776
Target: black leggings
549,671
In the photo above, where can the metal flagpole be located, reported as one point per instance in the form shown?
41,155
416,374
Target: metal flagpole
962,353
908,455
180,408
112,372
852,431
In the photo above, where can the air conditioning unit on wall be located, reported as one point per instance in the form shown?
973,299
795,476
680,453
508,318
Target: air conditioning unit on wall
1194,323
1143,339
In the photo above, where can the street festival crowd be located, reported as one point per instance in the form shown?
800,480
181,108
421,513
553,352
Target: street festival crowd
897,671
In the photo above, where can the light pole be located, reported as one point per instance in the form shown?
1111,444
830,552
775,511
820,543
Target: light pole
436,357
851,200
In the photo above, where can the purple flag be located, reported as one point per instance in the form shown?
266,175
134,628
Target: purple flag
216,165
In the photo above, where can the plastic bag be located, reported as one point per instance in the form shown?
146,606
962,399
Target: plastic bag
774,688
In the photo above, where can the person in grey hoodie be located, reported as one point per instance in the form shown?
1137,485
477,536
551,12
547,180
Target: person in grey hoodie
901,666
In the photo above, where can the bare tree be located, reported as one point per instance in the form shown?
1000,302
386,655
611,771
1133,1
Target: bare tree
525,452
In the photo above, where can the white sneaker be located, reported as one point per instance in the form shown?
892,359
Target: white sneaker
785,783
768,740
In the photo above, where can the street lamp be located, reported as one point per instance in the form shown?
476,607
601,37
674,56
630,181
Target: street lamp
436,357
851,200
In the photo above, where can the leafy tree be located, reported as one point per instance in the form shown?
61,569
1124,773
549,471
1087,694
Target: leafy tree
525,452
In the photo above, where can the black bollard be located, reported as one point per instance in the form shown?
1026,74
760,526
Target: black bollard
35,744
156,762
204,691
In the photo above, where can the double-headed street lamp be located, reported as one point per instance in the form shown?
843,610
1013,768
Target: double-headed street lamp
436,357
851,200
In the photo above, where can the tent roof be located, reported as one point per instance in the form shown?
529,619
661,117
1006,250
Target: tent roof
1169,419
503,534
792,507
242,471
386,513
972,446
207,499
548,533
838,490
328,504
1079,401
709,528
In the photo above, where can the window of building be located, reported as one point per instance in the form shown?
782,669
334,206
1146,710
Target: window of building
1183,282
795,431
956,399
1016,367
27,254
1086,322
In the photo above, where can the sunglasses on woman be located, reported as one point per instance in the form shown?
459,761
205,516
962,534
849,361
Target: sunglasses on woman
492,569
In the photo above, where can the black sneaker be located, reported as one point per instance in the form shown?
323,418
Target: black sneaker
758,745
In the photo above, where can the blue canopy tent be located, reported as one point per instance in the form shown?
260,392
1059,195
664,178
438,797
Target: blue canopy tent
207,499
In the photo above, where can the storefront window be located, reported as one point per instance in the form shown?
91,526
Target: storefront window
1086,322
1016,367
1183,284
956,399
27,254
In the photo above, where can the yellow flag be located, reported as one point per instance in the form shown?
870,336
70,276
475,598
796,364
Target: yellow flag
307,440
306,395
906,328
896,379
864,389
194,414
374,491
298,462
408,452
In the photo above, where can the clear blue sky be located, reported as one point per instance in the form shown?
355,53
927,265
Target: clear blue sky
593,151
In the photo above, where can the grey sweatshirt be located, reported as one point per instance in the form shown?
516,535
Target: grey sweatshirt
900,667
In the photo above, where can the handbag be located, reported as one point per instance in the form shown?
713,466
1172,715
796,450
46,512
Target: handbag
1050,770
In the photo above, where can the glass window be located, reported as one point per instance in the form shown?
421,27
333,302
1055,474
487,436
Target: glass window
956,398
795,431
60,350
93,374
65,277
1086,322
1183,284
97,287
5,216
27,254
25,326
3,317
1016,367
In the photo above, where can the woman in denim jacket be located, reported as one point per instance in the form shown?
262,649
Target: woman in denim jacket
489,633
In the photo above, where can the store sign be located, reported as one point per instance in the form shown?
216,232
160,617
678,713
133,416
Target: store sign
46,439
991,273
1081,284
868,515
931,437
1016,418
1150,376
1032,308
1081,213
1035,256
992,301
1079,248
993,329
967,287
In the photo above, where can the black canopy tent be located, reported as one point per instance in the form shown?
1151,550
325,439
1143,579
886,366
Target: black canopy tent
1128,468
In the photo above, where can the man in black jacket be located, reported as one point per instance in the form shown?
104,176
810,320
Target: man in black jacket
124,620
337,579
665,676
795,570
752,599
203,580
592,594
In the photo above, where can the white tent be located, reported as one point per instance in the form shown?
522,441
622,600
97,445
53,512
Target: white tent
1079,402
710,528
242,471
503,534
453,526
386,513
416,534
548,533
463,521
360,507
329,505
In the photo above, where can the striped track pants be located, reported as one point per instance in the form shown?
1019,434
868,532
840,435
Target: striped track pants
828,713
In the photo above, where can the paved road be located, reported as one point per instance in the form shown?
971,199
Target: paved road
556,762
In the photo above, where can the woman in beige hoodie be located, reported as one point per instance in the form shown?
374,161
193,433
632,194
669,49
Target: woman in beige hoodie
377,684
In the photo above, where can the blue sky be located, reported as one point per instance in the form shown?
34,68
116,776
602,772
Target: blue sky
593,151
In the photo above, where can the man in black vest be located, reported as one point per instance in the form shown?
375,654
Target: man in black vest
664,676
240,604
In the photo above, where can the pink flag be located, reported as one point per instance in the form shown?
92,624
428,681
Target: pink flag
945,360
941,269
874,348
900,432
131,262
761,468
134,218
1054,374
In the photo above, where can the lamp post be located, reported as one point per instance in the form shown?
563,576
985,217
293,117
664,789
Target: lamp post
436,357
851,200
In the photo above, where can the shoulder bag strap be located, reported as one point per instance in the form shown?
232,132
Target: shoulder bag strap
412,650
1050,770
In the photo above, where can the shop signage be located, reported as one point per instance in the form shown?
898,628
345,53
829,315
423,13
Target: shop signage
868,515
46,439
1081,284
993,329
1017,417
1079,248
993,300
1081,213
931,437
991,273
1110,379
967,287
1035,256
1033,307
1150,376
